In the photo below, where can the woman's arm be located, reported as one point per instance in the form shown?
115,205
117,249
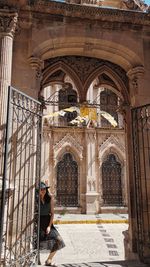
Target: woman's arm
52,212
52,215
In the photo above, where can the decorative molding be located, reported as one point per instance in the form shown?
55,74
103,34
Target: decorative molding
14,3
137,71
37,65
8,22
85,2
134,75
68,141
110,142
105,15
46,135
92,13
91,183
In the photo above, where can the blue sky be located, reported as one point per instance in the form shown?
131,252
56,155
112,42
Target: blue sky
147,2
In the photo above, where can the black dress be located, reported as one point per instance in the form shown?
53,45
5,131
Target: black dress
52,241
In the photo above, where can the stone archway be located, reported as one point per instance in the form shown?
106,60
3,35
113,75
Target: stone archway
96,37
102,34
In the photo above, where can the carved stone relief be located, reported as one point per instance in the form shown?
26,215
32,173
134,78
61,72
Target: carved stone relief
8,23
134,75
68,142
135,5
112,141
91,183
37,65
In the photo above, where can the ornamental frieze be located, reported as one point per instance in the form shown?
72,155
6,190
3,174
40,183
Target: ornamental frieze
92,13
83,11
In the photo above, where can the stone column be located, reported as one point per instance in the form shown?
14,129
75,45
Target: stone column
8,22
92,205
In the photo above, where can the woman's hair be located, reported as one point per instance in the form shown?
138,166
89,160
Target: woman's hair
47,196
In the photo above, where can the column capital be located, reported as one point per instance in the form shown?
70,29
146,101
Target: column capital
134,74
8,22
37,65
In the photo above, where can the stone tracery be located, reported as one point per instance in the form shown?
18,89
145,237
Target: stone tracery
68,140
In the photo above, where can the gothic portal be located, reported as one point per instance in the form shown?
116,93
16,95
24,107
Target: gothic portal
87,63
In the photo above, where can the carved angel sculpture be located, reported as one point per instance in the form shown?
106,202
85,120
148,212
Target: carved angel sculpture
136,5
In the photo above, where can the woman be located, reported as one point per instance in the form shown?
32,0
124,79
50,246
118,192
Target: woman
50,239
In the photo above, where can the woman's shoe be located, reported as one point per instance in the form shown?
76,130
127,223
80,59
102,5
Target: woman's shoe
48,263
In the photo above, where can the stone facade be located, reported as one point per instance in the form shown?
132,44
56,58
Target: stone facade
118,38
90,145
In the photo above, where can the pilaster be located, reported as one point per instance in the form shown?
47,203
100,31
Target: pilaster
135,75
92,205
36,66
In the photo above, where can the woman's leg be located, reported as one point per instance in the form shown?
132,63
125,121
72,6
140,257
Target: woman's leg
49,259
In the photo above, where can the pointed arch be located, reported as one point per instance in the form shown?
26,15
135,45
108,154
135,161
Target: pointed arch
66,69
70,144
112,145
120,85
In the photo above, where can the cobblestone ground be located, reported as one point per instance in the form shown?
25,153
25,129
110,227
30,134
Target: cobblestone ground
87,243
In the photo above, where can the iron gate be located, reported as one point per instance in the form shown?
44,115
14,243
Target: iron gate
141,155
21,176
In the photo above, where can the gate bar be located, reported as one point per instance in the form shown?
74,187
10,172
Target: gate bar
5,169
22,93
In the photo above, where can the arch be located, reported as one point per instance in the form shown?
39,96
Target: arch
70,144
79,45
120,85
112,145
115,151
114,90
69,71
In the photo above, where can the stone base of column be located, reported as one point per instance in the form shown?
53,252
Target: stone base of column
92,203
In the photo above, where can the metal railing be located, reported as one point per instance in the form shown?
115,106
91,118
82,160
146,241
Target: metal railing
19,214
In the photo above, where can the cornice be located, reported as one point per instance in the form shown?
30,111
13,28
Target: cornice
90,12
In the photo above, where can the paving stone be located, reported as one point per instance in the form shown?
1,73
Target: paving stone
86,246
103,264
